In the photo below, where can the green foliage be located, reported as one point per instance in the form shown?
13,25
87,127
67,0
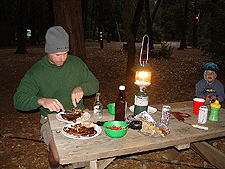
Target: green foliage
89,40
168,20
157,34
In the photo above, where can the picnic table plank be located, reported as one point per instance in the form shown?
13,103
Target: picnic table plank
210,154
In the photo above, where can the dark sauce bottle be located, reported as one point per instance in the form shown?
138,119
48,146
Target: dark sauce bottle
121,105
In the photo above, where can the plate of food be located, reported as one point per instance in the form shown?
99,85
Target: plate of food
73,116
151,110
81,130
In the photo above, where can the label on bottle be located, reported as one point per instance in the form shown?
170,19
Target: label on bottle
97,108
98,111
141,101
125,109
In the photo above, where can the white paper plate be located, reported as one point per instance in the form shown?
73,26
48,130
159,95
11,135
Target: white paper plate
59,117
151,110
96,127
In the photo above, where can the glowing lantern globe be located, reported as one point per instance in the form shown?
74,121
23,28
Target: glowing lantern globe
143,78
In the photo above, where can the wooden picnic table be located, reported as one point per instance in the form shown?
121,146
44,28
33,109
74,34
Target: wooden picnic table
90,152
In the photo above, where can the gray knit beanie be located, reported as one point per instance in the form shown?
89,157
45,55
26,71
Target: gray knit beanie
57,40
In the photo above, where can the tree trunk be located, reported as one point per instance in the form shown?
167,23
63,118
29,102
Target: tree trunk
195,40
36,15
183,44
22,27
155,10
213,30
93,23
149,25
137,16
84,5
68,14
129,36
152,21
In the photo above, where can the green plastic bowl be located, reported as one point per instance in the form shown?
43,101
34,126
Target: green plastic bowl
111,108
115,133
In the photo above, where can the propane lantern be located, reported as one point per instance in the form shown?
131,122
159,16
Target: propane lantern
143,74
142,79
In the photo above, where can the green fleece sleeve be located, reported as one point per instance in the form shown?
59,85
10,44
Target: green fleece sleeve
90,84
25,98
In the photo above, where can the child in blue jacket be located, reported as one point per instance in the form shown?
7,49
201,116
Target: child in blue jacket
210,88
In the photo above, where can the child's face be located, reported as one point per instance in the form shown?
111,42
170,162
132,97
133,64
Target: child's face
210,75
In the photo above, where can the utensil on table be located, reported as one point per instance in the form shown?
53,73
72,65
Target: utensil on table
180,118
136,125
69,112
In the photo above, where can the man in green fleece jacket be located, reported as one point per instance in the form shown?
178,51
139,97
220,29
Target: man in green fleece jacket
55,83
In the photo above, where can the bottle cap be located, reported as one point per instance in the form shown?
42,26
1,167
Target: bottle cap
215,104
121,87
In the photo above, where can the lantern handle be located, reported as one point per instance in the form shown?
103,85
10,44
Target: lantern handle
142,45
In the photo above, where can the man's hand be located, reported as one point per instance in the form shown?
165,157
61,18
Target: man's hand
51,104
76,95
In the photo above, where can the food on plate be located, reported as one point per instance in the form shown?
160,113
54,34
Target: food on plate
76,110
113,127
71,117
78,114
81,129
151,128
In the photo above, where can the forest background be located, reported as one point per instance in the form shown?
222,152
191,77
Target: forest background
197,23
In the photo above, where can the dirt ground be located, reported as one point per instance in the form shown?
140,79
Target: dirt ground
173,79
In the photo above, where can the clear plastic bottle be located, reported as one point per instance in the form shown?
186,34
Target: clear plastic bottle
98,108
121,105
141,101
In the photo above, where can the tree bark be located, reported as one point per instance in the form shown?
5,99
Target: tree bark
213,31
150,21
149,25
195,40
84,5
68,14
183,43
129,36
93,20
155,10
36,14
137,16
22,27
